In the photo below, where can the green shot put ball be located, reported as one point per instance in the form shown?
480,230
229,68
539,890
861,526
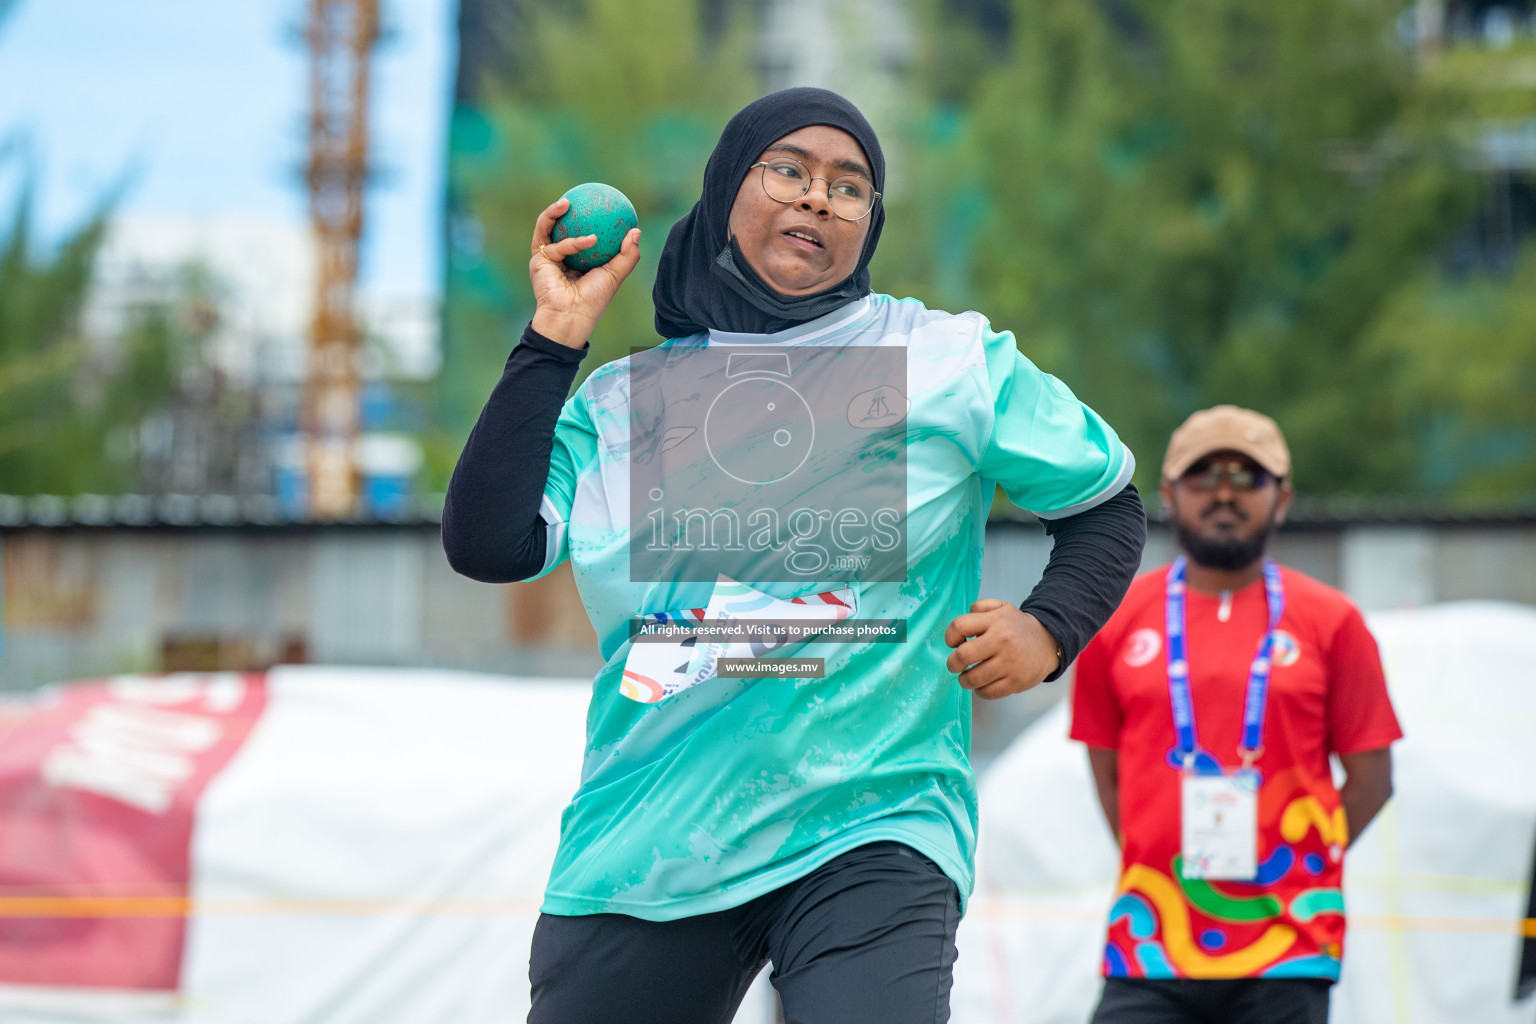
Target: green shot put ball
596,209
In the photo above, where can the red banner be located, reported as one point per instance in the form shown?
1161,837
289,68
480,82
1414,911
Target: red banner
99,785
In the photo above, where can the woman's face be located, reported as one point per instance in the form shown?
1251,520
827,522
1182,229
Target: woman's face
802,247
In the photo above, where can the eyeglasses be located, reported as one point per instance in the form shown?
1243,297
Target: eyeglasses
851,196
1242,476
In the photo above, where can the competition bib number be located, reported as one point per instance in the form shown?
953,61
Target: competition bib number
1219,810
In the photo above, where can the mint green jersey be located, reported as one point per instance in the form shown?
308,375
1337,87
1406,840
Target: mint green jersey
735,787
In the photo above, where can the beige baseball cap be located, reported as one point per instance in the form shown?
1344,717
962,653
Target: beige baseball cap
1227,428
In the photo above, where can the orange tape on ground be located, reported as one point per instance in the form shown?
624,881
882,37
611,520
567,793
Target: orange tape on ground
41,905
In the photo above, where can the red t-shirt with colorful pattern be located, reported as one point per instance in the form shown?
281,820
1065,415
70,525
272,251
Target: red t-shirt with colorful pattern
1327,695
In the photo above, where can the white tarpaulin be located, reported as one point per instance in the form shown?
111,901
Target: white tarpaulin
1436,887
331,846
313,845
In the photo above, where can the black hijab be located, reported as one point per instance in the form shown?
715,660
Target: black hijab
703,281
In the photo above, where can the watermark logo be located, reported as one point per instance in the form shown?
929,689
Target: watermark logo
772,465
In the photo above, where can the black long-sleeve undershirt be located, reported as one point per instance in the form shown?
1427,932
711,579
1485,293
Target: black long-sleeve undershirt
1094,557
492,530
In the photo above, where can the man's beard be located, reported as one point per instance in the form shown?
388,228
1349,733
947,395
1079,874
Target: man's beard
1229,554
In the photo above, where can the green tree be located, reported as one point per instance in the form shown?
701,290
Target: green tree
1462,345
63,403
1181,202
61,398
628,92
1463,354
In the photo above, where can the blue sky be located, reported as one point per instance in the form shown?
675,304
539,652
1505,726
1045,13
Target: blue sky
198,106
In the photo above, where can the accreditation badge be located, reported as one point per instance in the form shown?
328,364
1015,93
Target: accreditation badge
1220,818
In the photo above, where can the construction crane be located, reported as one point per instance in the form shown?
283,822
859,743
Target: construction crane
340,35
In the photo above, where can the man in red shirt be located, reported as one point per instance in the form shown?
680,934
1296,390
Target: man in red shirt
1210,704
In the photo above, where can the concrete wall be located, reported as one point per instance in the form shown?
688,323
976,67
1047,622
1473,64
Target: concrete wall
81,602
86,601
1380,566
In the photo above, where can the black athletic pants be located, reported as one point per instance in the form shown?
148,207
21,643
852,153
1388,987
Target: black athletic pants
867,937
1238,1001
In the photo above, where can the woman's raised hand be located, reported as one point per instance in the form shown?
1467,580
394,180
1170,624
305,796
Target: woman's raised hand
568,302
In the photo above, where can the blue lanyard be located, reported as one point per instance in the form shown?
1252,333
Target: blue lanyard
1178,667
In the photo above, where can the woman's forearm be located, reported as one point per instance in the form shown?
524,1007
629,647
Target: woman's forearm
492,530
1095,556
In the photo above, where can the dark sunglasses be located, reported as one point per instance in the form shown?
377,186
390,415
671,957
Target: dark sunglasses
1241,476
